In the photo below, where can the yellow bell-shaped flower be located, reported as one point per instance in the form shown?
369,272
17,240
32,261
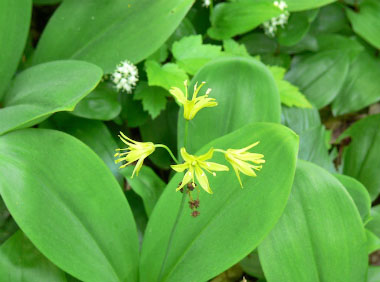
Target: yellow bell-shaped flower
195,166
135,151
193,106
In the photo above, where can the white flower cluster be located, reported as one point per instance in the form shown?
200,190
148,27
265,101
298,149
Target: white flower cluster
270,27
125,76
206,3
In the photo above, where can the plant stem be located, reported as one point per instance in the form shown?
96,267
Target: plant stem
172,233
186,131
169,151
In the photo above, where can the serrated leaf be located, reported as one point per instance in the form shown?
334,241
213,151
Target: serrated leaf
289,94
233,48
191,54
166,76
153,98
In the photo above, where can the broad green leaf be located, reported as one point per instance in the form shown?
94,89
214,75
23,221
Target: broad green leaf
361,157
147,185
225,228
358,193
20,261
252,266
14,27
45,89
341,43
313,147
161,54
94,134
46,2
321,76
300,119
366,21
259,43
232,18
373,273
374,224
166,76
7,224
361,87
132,111
320,236
300,5
373,242
162,130
153,98
233,48
297,27
101,104
107,32
191,54
245,91
185,28
330,19
72,208
289,94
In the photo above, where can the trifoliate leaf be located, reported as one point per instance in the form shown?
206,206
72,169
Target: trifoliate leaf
153,98
191,54
232,48
166,76
289,94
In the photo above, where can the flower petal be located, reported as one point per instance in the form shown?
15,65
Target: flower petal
186,179
178,94
214,166
206,156
202,179
180,167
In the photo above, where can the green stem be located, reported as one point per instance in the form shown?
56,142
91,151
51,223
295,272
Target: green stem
186,131
169,151
172,233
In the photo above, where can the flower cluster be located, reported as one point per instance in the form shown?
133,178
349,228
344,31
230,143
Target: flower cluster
194,167
270,27
125,77
206,3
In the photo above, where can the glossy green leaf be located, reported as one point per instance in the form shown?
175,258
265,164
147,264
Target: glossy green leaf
7,224
107,32
361,157
45,89
100,104
46,2
94,134
259,43
341,43
373,242
153,98
20,261
358,193
320,236
232,18
252,266
366,21
233,48
132,111
166,76
289,94
321,76
374,224
297,27
147,185
191,54
373,273
331,18
361,87
224,229
14,26
72,208
299,5
300,119
245,91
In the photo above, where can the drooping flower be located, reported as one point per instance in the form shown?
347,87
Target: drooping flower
271,26
240,158
195,166
136,151
193,106
125,76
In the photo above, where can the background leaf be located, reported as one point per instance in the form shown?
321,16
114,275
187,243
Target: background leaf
76,233
245,91
21,261
42,90
153,98
299,5
223,229
14,26
319,237
105,33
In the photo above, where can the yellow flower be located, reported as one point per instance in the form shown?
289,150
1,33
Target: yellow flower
192,107
239,159
135,151
195,165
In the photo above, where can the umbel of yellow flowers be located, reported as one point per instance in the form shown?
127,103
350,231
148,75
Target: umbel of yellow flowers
241,160
193,106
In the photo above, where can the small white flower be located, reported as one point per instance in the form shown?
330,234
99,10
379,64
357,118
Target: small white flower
270,27
125,76
206,3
